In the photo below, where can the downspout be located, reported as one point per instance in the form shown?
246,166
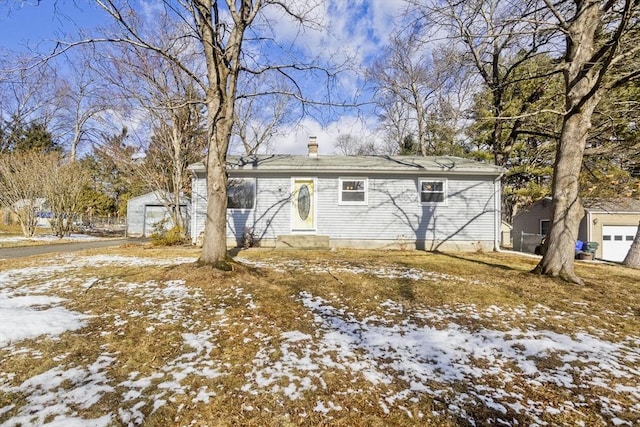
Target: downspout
193,213
497,204
144,220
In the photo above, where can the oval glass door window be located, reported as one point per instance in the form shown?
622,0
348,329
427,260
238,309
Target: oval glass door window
304,202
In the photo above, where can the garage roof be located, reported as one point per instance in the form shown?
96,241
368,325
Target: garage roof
616,205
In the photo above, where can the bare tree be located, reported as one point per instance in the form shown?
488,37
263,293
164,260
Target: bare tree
601,53
599,43
25,94
81,101
23,175
395,126
351,145
221,31
63,190
410,83
148,83
262,108
495,39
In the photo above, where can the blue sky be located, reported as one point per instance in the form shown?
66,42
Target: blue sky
30,23
356,28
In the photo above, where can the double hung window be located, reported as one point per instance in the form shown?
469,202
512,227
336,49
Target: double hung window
241,193
433,191
353,191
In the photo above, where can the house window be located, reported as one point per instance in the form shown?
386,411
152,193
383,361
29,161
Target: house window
353,191
241,193
544,226
433,191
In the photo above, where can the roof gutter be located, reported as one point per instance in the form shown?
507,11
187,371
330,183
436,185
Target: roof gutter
368,171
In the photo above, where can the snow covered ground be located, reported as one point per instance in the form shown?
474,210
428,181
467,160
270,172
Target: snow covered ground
403,355
47,238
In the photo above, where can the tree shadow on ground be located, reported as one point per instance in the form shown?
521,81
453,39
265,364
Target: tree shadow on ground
472,258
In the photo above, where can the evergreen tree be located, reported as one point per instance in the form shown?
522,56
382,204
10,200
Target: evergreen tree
16,135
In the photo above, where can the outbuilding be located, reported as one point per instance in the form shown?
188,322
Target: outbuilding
432,203
149,212
610,222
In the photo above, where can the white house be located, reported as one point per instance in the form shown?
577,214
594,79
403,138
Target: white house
433,203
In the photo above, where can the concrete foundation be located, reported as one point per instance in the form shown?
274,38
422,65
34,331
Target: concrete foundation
302,241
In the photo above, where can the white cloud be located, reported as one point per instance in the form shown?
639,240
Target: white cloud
295,139
338,30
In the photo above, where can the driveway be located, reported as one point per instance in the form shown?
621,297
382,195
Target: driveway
25,251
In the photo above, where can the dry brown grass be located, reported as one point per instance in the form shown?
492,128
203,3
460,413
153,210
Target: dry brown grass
139,322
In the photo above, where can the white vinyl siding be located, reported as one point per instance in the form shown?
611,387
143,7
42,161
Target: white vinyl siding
353,191
394,210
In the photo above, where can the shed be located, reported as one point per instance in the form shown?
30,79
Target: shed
433,203
149,211
610,222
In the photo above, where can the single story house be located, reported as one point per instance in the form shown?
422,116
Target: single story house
433,203
612,223
149,211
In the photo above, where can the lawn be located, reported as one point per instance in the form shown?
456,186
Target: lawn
140,335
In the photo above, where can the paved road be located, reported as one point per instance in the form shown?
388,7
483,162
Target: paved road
24,251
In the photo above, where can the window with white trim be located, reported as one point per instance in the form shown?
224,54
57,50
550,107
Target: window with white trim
433,191
241,193
353,191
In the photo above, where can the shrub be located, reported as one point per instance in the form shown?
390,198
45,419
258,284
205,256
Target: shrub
172,237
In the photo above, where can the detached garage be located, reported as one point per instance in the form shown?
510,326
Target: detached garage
145,213
612,223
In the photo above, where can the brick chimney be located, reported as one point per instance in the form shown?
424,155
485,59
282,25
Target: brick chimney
313,147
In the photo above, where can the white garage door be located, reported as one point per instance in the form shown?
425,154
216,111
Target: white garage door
616,241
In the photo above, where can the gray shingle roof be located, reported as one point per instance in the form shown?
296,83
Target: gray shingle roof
356,164
616,205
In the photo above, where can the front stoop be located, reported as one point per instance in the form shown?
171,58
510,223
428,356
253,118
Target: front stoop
302,241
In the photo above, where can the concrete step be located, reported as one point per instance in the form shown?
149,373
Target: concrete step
302,241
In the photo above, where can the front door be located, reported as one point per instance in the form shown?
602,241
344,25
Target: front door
303,209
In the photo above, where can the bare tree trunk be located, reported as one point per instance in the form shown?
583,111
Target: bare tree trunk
633,257
582,95
214,246
177,178
223,70
568,211
27,219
